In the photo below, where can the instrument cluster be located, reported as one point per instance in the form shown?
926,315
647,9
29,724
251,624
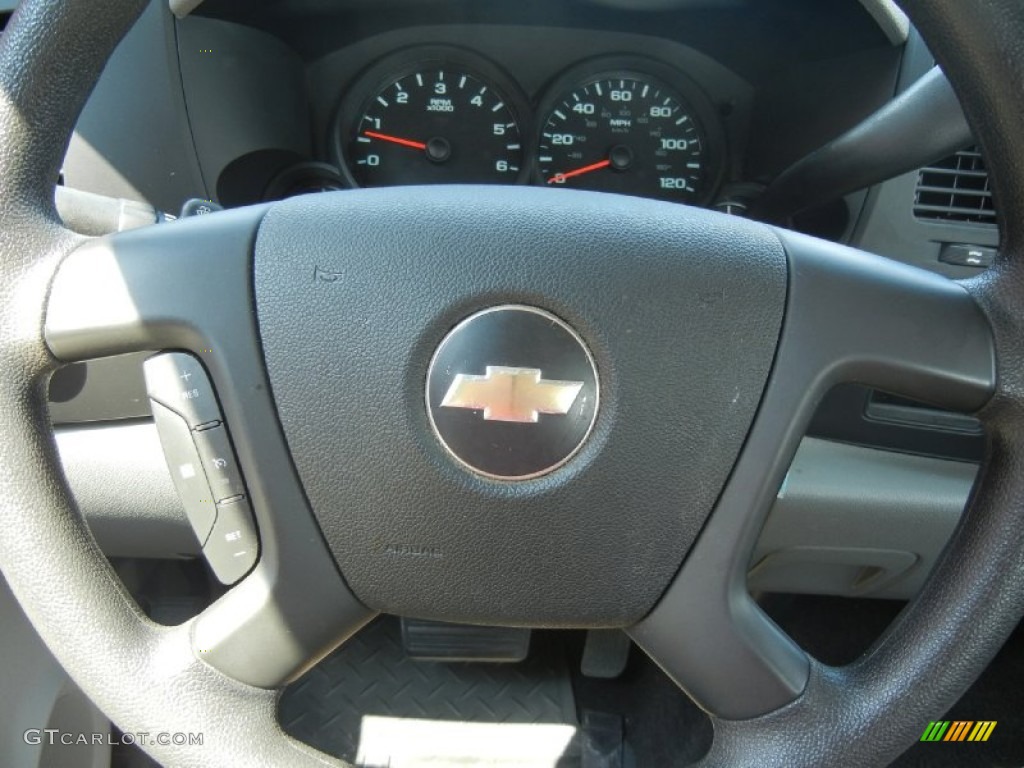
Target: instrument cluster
441,115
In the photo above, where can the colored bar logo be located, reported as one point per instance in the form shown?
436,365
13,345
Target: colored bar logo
959,730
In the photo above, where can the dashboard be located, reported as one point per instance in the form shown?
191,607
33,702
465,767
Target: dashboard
519,104
700,102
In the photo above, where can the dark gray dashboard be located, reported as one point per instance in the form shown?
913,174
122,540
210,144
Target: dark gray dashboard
236,93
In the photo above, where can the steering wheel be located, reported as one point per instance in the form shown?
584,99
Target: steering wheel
710,340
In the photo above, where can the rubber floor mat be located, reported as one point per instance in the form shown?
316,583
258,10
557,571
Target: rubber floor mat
433,713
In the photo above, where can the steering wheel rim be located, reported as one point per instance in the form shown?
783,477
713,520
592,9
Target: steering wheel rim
149,678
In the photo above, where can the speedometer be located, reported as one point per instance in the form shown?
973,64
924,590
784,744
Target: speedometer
625,132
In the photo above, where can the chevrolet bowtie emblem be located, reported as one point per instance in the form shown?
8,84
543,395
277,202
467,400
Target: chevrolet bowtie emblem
512,394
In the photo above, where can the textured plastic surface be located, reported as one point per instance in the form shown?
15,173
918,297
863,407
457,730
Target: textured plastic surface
440,641
372,676
888,226
931,654
356,289
844,498
858,415
842,570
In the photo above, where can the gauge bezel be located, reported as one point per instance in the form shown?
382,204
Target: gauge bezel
372,80
631,66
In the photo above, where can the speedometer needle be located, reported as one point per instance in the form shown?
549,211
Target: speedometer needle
560,177
395,140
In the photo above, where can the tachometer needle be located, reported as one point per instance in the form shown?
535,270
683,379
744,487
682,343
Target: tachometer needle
395,140
559,177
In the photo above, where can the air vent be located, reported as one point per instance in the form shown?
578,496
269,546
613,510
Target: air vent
955,189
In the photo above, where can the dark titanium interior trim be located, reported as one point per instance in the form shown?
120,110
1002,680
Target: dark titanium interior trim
111,297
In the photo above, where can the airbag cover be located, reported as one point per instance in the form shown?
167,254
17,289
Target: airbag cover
680,308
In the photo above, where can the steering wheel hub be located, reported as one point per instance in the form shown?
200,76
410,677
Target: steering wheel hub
508,329
512,392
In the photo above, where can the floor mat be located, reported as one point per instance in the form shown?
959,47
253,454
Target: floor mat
370,704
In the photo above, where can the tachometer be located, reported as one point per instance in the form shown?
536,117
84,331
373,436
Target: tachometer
435,125
627,133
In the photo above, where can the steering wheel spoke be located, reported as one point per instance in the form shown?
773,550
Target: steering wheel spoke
851,317
182,285
187,286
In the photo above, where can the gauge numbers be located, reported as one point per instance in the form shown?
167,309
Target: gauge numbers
436,125
627,134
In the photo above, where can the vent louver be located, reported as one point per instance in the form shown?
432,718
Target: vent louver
955,189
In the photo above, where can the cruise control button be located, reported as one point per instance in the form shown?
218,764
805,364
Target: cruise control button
219,460
179,382
233,546
186,470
